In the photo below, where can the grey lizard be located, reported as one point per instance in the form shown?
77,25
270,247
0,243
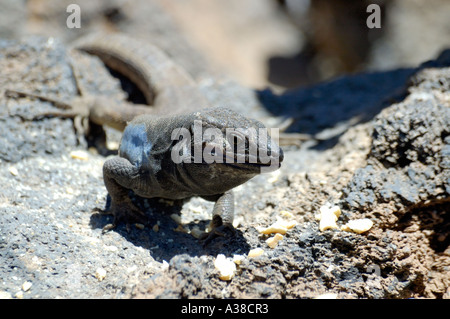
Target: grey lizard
146,162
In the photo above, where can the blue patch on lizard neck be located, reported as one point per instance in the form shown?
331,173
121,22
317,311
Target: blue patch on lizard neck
135,145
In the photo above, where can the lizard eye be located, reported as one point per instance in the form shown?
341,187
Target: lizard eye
236,138
237,141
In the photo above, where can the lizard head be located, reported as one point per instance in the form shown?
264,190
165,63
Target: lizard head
203,153
231,143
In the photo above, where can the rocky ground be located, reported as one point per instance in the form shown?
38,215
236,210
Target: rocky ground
383,153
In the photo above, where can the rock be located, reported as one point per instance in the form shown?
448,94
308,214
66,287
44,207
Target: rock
408,161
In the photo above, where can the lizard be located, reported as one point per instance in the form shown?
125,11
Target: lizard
146,162
143,163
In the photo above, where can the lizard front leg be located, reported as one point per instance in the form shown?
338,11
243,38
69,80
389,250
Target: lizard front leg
118,175
222,215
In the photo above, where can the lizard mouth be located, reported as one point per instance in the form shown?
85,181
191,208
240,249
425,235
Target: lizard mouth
253,169
252,162
258,160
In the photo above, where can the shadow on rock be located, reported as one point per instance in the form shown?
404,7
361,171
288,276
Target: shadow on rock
169,239
328,109
325,105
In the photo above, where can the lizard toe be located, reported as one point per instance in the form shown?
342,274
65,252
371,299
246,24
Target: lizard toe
108,227
225,230
125,213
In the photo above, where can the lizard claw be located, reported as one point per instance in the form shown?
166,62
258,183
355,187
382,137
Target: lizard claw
224,230
113,225
124,212
108,227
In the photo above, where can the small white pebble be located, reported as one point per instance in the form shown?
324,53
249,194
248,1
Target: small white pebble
286,214
5,295
79,154
328,217
274,228
132,269
358,226
26,286
237,259
100,274
225,266
13,170
274,176
272,242
112,145
238,221
327,221
19,294
255,252
287,223
281,226
111,248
